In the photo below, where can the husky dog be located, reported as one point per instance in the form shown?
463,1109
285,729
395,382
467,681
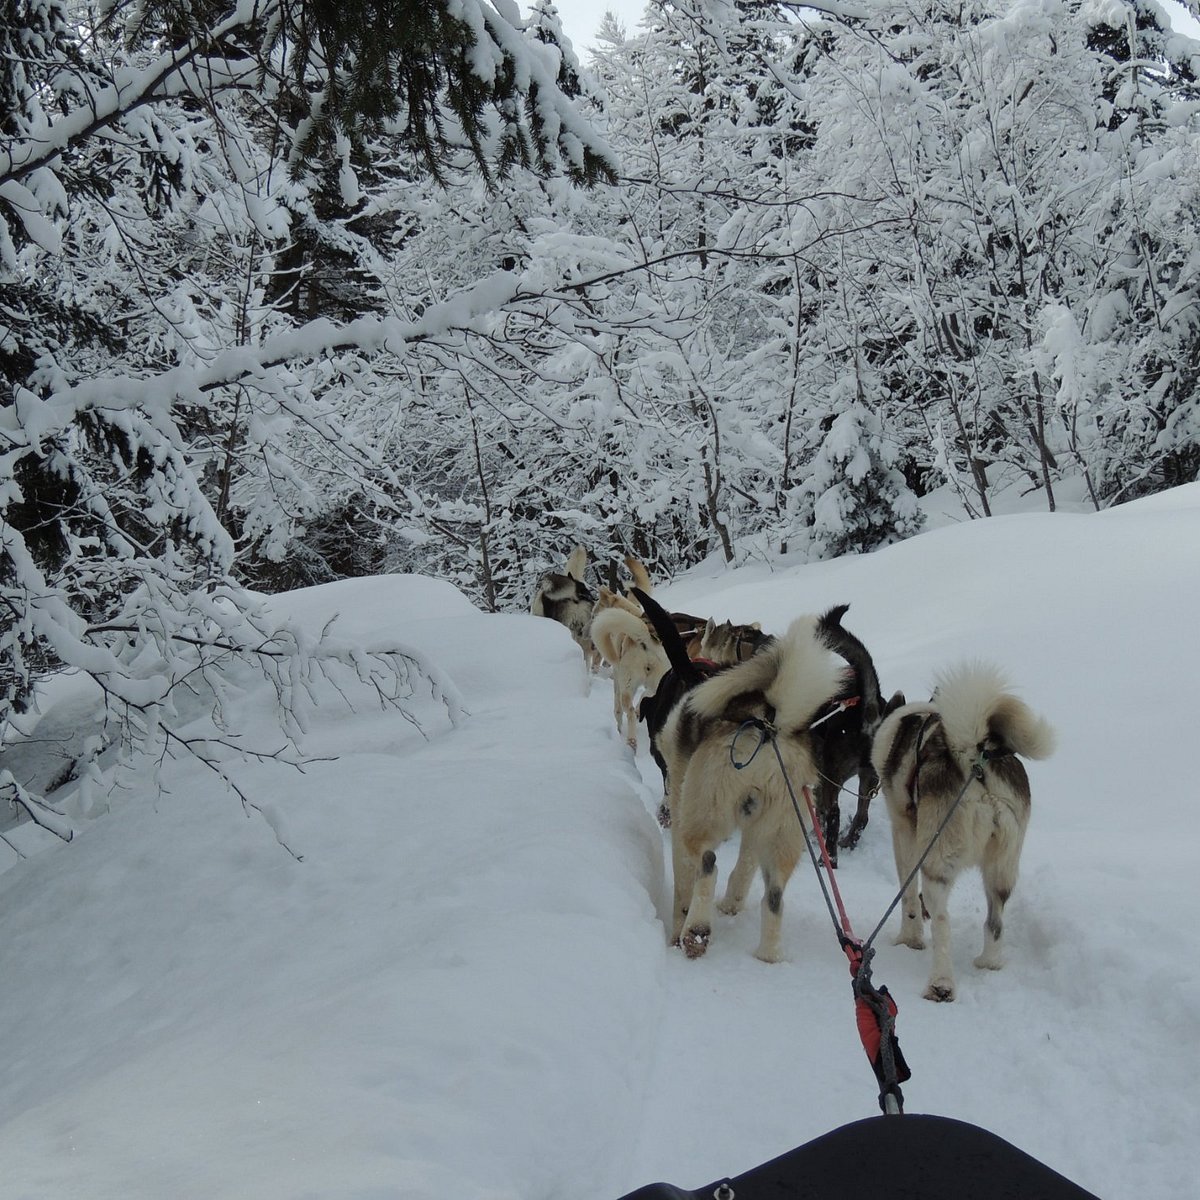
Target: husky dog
637,660
843,738
687,670
610,599
962,743
684,674
783,687
565,598
688,626
727,643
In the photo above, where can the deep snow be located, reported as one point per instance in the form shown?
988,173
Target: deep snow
464,989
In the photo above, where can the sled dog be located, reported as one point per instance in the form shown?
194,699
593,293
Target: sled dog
684,674
784,686
965,741
843,739
564,597
607,598
637,659
688,626
727,643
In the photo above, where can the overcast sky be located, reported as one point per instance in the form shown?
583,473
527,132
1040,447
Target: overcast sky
581,18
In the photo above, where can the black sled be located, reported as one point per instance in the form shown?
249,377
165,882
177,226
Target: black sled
891,1158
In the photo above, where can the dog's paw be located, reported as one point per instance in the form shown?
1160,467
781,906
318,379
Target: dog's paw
664,816
849,839
941,991
914,941
730,906
989,962
695,941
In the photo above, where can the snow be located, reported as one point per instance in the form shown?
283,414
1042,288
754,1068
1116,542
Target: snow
462,988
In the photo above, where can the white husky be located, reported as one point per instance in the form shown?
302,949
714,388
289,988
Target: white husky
637,659
964,742
783,686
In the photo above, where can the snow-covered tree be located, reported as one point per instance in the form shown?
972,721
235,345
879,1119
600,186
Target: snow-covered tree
153,169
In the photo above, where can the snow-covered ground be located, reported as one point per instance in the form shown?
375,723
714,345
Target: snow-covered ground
463,988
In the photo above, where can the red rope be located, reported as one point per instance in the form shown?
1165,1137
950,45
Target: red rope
870,1005
847,932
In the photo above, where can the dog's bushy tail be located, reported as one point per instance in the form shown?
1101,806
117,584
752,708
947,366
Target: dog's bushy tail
609,624
687,671
975,703
641,577
842,642
796,675
577,562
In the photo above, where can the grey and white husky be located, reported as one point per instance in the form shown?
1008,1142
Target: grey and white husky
965,742
565,598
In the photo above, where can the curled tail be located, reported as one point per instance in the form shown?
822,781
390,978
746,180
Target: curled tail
977,707
795,676
612,628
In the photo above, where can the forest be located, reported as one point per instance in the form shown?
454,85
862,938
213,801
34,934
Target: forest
294,291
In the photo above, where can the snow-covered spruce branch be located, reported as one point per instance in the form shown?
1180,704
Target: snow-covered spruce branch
201,750
186,70
31,421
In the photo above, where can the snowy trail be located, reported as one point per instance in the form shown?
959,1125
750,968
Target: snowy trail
465,988
751,1059
706,1069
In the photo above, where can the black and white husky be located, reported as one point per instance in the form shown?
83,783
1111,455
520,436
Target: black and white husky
844,737
784,685
963,745
565,598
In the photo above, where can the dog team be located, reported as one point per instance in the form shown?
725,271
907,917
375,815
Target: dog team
741,722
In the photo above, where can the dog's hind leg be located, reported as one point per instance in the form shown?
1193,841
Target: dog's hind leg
935,893
778,863
618,703
747,861
868,785
697,929
829,813
739,881
623,712
999,870
683,871
906,853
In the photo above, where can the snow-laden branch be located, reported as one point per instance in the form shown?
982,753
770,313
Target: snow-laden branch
189,69
31,421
